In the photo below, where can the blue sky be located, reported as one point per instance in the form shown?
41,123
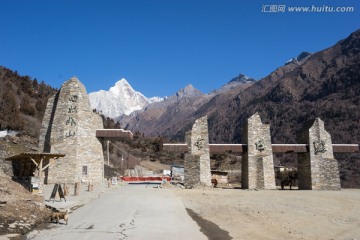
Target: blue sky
160,46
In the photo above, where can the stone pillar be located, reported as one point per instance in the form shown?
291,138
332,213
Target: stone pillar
318,169
197,161
257,163
69,127
191,170
304,171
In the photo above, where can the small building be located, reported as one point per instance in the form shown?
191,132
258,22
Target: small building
31,168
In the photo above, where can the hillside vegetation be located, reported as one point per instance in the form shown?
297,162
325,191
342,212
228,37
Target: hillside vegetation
22,102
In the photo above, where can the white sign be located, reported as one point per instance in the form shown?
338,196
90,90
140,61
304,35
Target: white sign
114,181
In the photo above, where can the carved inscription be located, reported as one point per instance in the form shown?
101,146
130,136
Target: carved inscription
259,144
73,98
72,109
199,143
70,134
71,120
319,146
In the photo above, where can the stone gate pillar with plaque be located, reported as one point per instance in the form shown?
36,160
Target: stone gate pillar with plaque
69,126
318,169
257,161
197,161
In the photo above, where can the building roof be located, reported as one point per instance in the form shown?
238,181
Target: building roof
27,155
114,133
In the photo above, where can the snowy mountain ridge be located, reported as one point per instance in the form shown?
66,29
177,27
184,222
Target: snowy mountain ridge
120,99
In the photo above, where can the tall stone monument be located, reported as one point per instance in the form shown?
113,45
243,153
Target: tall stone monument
197,161
69,126
318,169
257,163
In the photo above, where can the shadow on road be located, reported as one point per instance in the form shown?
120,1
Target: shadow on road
210,229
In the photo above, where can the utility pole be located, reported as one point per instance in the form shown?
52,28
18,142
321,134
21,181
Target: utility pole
122,160
127,160
108,158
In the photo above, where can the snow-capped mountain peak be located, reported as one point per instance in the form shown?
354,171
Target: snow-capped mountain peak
124,89
120,99
120,84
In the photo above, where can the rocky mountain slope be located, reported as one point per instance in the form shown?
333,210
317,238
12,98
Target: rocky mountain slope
234,83
168,117
325,85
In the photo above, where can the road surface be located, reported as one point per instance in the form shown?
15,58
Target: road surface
129,212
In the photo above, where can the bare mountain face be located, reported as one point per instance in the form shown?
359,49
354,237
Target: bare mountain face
154,119
169,117
175,115
302,56
325,84
234,83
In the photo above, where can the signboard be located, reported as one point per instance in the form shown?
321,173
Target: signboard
57,188
167,172
114,181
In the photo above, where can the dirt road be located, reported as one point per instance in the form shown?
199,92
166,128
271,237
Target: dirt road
130,212
275,214
137,212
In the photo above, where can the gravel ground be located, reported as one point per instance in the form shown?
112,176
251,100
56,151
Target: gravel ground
275,214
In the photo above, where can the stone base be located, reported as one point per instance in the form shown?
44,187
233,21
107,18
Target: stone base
191,171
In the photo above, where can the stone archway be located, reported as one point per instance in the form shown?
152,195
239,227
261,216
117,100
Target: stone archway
317,167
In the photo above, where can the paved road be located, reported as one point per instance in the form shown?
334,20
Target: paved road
130,212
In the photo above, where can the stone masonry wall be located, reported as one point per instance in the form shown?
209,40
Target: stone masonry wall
304,171
191,166
258,164
198,142
69,127
191,170
324,167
